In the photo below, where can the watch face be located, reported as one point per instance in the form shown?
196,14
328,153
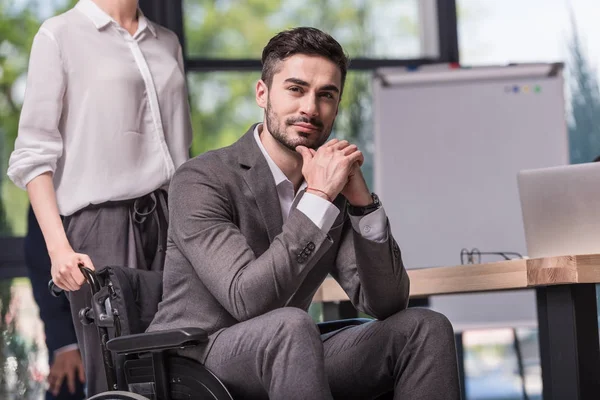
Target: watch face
375,199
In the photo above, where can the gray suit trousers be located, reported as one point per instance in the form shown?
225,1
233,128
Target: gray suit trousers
112,234
281,355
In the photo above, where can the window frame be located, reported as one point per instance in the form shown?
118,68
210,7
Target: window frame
169,13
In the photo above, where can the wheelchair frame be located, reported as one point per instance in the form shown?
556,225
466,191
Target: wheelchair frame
174,377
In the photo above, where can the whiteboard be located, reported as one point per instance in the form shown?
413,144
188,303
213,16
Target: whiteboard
448,146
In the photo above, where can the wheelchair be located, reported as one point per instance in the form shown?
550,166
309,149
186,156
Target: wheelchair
143,365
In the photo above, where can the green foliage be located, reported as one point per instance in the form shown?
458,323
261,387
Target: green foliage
584,128
223,105
17,30
16,33
19,22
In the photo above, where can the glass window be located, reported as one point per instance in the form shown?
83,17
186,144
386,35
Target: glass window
502,364
21,21
224,107
240,29
512,31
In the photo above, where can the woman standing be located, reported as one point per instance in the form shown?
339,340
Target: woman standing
104,125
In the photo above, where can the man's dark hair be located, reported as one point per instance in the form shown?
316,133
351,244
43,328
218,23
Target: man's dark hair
302,40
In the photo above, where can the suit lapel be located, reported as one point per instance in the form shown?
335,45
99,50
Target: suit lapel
259,179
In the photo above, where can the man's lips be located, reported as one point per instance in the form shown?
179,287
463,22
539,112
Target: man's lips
306,127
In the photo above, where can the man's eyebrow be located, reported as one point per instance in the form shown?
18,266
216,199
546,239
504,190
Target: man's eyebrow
331,88
297,81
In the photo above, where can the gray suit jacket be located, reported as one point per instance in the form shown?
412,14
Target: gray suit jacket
230,258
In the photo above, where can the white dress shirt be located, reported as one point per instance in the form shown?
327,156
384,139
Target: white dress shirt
106,112
321,212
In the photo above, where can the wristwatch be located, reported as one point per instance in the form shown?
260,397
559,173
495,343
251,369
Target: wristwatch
361,211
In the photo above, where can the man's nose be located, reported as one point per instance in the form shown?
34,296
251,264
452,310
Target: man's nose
309,106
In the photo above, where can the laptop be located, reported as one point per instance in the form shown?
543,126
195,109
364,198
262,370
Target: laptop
561,209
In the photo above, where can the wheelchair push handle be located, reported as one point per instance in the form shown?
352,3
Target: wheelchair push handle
88,274
54,290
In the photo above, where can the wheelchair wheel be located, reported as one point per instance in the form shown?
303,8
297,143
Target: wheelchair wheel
188,379
194,381
118,395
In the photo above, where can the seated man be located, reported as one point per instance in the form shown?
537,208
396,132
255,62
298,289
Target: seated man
256,227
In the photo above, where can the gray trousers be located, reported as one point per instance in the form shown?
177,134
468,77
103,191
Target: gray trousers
281,355
126,234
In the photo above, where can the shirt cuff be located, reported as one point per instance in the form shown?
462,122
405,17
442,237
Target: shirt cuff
320,211
372,226
22,178
66,348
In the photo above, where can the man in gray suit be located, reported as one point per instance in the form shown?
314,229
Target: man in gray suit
256,227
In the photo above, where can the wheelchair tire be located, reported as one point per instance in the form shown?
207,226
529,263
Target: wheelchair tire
188,379
194,381
118,395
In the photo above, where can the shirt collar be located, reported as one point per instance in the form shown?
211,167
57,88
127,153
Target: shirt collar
277,173
145,23
100,19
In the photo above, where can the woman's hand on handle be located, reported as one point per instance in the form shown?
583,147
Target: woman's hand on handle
65,269
65,262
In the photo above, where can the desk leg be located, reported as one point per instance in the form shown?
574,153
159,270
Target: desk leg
569,343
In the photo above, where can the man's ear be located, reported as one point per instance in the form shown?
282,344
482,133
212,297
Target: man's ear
262,94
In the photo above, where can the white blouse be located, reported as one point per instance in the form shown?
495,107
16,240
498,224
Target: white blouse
105,111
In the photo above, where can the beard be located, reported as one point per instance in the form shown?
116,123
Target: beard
278,130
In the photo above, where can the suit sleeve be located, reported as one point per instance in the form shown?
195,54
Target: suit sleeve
372,273
202,228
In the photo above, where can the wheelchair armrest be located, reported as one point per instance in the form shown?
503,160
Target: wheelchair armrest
157,341
330,326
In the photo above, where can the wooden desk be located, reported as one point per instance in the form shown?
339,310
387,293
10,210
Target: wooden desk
502,275
566,305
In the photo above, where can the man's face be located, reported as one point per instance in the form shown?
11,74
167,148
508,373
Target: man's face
302,102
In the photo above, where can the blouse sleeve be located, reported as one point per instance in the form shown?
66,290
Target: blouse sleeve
39,143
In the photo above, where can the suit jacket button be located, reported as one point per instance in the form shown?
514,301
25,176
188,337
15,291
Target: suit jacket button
310,246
